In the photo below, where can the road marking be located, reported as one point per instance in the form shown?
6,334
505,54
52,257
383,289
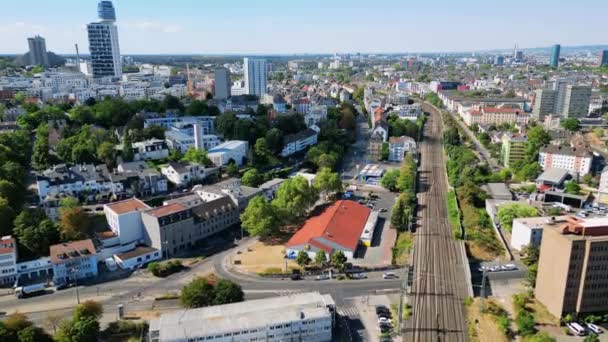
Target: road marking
348,311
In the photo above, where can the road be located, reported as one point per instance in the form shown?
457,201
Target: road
483,151
358,153
438,288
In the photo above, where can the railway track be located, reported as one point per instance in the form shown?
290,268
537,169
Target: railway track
438,286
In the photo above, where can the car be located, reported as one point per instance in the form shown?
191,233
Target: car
389,275
322,277
382,308
359,276
594,328
384,320
296,277
384,329
508,267
384,315
383,210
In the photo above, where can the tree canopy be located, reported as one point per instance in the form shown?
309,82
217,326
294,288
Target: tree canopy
508,212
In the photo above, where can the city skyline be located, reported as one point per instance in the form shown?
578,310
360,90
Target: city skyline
193,27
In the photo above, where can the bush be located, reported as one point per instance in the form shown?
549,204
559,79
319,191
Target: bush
165,269
525,323
124,329
271,271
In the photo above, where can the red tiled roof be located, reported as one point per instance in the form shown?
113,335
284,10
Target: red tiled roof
342,224
127,206
167,210
75,249
5,242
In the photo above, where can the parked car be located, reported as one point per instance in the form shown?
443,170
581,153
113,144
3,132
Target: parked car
359,276
382,308
594,328
322,277
296,277
384,320
383,210
389,275
508,267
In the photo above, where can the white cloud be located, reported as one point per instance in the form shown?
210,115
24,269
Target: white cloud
152,26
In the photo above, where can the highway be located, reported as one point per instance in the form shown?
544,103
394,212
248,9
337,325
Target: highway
438,288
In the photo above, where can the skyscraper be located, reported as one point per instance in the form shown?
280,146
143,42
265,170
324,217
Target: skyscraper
38,55
255,76
222,84
103,42
603,58
554,60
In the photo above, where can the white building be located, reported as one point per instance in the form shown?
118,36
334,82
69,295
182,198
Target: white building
124,219
8,260
235,150
298,142
315,114
73,261
182,174
179,141
398,146
603,187
152,149
298,317
529,231
576,161
270,188
255,72
136,258
74,180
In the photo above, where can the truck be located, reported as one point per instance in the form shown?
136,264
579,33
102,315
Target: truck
29,290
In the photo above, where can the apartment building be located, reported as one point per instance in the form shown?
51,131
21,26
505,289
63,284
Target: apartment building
298,317
398,146
576,160
572,270
513,148
152,149
73,261
8,260
124,219
294,143
495,116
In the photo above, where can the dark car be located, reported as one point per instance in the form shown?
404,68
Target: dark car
382,309
296,277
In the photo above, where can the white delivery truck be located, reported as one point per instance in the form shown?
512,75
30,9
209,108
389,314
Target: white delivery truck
29,290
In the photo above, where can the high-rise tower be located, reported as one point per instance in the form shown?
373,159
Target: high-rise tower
103,42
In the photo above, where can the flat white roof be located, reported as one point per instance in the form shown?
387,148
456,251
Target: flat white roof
539,222
370,226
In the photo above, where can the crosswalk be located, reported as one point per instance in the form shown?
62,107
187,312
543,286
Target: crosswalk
286,293
348,311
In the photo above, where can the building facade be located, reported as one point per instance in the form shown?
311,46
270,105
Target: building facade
554,59
103,43
576,161
255,71
513,148
38,54
73,261
8,260
235,150
222,84
398,146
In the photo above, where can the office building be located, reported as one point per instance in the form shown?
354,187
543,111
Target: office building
235,150
103,43
255,73
576,101
603,58
513,148
222,84
124,219
564,100
298,317
544,103
554,59
529,231
572,267
38,54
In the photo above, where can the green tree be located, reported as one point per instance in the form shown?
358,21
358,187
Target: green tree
537,137
530,255
384,153
251,178
33,334
106,153
198,293
320,258
89,308
508,212
327,181
573,188
338,259
390,179
194,155
302,258
293,198
197,107
525,323
69,202
227,292
78,330
7,215
531,276
232,169
73,222
570,124
35,232
41,158
127,149
274,140
591,338
262,154
260,218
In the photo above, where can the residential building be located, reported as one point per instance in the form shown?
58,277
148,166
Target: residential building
149,180
398,146
270,188
576,101
298,317
37,54
8,260
576,160
152,149
88,180
381,130
529,231
232,187
572,267
603,186
136,258
182,174
255,72
180,141
375,146
495,115
176,227
554,59
279,104
603,58
73,261
124,219
294,143
513,148
222,84
103,43
314,115
565,100
339,227
544,103
235,150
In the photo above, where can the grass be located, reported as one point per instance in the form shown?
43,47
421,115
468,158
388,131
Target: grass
487,325
403,246
453,213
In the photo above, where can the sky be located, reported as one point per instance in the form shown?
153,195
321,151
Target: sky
311,26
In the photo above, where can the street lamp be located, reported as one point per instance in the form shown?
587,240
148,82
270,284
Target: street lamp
73,271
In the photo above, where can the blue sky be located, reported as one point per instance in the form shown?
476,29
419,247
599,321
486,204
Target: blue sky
314,26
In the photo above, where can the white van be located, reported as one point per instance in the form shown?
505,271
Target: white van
594,328
576,329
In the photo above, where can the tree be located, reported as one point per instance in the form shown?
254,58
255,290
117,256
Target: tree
530,255
570,124
591,338
262,154
320,258
573,188
127,149
194,155
407,174
73,222
251,178
327,181
384,154
78,330
537,137
390,179
35,232
302,258
508,212
33,334
293,198
106,152
232,169
274,140
89,308
532,273
260,218
198,293
399,220
338,259
7,215
197,107
69,202
227,292
41,158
